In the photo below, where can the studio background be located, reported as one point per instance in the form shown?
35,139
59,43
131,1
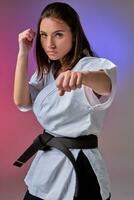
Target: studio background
109,26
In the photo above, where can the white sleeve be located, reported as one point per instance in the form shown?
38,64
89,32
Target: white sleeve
35,86
110,69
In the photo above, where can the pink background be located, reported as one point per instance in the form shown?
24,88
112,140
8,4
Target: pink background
109,26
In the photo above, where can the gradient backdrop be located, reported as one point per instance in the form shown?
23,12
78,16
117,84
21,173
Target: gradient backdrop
109,26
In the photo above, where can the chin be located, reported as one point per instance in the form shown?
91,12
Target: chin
53,58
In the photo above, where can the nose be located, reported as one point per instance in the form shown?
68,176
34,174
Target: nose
51,43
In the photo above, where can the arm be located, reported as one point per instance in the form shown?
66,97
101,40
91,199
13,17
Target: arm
21,86
98,81
71,80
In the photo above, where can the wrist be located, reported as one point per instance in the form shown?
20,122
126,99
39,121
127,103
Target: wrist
23,53
85,77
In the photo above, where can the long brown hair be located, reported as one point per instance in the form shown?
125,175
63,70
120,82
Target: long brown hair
80,47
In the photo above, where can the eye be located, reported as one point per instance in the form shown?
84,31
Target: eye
43,35
59,35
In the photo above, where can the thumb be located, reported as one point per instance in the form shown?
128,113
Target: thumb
61,92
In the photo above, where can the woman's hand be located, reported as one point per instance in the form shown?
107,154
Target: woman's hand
25,40
69,80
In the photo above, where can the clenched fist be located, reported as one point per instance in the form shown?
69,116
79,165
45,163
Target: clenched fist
69,80
25,39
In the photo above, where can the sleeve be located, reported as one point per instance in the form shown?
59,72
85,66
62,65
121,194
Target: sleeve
35,86
111,70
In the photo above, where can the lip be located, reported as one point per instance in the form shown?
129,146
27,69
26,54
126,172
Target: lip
51,52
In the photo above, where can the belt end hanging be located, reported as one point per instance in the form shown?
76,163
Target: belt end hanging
18,163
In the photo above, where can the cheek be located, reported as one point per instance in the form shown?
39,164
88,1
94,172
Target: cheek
66,45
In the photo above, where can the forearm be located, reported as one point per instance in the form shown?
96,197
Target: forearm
21,86
98,81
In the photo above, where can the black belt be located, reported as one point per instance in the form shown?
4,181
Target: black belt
45,141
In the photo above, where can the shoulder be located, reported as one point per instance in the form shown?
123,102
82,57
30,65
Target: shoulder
94,63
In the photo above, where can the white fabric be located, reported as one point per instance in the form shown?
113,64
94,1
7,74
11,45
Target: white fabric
79,112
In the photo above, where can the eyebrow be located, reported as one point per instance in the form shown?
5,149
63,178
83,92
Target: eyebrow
53,32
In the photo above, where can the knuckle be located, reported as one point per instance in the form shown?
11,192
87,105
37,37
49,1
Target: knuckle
65,86
79,74
71,85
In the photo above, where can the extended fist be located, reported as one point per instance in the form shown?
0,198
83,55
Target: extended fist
69,80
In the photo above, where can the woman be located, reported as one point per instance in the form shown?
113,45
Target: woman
69,93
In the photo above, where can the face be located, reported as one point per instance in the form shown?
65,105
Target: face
56,38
